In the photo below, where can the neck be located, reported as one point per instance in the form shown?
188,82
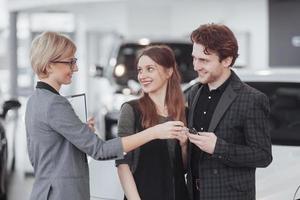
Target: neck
52,83
159,96
217,83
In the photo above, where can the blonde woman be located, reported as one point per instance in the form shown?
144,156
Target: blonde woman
57,140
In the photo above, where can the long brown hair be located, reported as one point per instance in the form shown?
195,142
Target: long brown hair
174,100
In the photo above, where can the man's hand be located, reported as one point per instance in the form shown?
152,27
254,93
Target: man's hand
206,141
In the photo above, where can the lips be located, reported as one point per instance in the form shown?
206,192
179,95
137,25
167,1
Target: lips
145,82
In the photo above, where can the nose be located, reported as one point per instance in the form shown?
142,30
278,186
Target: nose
74,68
142,75
197,65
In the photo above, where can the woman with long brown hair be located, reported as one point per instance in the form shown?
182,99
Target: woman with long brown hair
155,170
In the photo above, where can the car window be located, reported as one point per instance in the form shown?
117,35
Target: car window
284,110
126,61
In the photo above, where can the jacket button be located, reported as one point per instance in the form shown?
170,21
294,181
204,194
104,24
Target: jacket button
215,171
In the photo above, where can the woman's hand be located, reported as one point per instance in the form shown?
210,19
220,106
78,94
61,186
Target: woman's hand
167,130
91,123
182,137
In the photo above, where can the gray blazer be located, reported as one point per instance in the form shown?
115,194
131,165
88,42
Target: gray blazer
57,144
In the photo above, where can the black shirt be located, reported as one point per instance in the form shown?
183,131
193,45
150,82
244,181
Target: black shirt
205,107
46,86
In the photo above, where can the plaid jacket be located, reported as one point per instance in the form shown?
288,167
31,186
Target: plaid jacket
241,124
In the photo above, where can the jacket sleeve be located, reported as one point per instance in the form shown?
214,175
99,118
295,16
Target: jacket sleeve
62,119
257,150
126,126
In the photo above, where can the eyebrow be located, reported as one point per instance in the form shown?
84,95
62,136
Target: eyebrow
152,65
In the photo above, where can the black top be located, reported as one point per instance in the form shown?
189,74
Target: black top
46,86
205,107
153,174
156,166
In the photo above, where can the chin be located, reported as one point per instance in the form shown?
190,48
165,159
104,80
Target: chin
67,82
148,90
202,80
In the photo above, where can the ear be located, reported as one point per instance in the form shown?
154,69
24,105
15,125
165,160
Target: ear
227,61
170,72
49,68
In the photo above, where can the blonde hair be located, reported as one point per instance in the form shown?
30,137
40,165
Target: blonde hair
46,48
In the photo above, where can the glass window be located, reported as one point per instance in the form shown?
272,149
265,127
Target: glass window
285,111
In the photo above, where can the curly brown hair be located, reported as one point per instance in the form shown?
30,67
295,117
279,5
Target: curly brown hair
216,38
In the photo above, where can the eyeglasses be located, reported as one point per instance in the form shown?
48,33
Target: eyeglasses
72,63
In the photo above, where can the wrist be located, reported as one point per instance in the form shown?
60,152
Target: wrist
151,133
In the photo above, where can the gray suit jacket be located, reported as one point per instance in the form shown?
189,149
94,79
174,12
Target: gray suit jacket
57,145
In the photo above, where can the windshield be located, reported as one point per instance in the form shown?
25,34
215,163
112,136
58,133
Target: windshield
126,62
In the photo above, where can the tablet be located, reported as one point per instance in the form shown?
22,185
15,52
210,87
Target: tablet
78,102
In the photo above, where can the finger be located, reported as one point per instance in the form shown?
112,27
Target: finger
196,137
91,118
197,143
177,128
207,134
185,129
177,123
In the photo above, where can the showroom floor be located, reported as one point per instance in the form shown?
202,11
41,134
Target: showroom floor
20,182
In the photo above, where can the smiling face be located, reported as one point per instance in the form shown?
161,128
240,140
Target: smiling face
209,68
152,76
61,73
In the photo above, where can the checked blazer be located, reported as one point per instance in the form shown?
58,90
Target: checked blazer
240,122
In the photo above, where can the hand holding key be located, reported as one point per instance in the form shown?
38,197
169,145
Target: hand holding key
206,141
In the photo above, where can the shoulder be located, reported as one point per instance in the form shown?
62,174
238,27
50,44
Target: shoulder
253,92
253,96
193,91
132,105
129,109
195,88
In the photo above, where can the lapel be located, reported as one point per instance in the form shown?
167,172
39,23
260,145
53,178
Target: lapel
191,123
225,101
193,107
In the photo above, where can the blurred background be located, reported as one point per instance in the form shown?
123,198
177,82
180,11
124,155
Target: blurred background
108,34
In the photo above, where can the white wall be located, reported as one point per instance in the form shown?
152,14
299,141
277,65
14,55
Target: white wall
166,18
3,14
241,16
171,18
179,18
